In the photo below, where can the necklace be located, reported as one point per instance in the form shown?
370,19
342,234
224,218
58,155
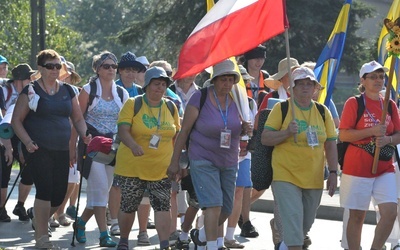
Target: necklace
52,91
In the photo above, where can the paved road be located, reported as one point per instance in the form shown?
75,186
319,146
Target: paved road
325,234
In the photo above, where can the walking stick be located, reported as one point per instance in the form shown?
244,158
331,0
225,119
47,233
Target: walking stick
15,182
384,112
79,192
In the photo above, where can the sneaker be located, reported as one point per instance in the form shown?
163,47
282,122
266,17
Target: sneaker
248,230
53,222
63,220
182,244
194,235
4,216
143,239
233,244
29,212
114,229
276,238
150,224
175,235
71,212
20,211
307,242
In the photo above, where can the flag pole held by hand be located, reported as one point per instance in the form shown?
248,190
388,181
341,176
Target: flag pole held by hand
384,112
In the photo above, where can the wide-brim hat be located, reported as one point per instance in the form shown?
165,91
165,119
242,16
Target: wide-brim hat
223,68
75,77
129,60
283,68
155,73
22,72
245,75
304,73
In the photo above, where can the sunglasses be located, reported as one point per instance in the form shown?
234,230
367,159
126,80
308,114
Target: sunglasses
375,77
51,66
107,66
169,73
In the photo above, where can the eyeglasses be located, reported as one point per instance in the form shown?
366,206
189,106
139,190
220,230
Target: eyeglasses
107,66
375,77
50,66
169,73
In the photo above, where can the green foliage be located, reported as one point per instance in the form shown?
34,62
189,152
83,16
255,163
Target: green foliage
15,35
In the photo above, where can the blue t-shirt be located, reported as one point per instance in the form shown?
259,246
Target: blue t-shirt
50,126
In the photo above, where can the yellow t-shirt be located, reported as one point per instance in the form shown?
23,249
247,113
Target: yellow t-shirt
299,163
153,164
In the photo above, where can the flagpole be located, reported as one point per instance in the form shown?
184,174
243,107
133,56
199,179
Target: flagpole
396,95
384,112
290,77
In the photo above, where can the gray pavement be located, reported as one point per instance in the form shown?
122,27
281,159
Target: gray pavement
325,234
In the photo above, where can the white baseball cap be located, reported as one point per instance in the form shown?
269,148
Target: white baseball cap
371,67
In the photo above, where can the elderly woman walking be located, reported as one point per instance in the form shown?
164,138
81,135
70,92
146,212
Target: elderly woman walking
101,114
215,127
298,167
41,119
147,126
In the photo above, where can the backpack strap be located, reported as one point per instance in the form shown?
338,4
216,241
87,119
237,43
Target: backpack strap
138,105
120,92
285,106
203,97
321,110
275,94
173,88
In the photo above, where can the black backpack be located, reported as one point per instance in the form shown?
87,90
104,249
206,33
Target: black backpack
261,158
342,146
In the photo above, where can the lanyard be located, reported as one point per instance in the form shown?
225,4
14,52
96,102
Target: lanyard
224,118
369,114
159,112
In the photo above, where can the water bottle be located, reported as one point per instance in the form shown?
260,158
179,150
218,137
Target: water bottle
115,143
397,247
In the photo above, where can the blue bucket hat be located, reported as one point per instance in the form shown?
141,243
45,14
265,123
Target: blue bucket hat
155,73
3,59
130,60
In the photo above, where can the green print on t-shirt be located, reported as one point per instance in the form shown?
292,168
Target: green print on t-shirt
150,122
302,126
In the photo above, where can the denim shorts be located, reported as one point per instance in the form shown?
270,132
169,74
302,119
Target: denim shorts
244,174
214,185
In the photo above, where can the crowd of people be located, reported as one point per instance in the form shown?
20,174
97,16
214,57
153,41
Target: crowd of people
183,150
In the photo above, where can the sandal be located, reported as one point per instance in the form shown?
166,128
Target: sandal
106,241
44,242
79,232
123,246
114,229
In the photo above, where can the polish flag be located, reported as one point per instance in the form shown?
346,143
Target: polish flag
230,28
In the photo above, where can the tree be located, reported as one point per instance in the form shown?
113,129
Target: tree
15,35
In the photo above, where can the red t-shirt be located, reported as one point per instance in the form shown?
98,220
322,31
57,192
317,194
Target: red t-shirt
357,161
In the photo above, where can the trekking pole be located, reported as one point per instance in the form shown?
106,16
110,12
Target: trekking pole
15,182
75,224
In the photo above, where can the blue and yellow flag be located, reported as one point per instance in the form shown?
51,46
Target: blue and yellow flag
328,62
393,14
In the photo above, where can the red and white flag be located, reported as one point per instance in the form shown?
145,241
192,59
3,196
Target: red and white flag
230,28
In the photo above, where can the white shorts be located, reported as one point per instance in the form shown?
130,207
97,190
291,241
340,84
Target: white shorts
356,192
74,176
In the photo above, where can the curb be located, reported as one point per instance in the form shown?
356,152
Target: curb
323,212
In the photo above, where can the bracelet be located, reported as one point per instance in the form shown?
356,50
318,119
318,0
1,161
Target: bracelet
333,172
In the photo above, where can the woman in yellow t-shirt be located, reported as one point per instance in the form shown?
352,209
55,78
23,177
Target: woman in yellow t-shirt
147,137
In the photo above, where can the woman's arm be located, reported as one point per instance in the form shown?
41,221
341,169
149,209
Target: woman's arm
21,110
332,160
124,132
272,138
350,135
190,117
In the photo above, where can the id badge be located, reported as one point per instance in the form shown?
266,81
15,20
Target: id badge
154,141
312,138
225,140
